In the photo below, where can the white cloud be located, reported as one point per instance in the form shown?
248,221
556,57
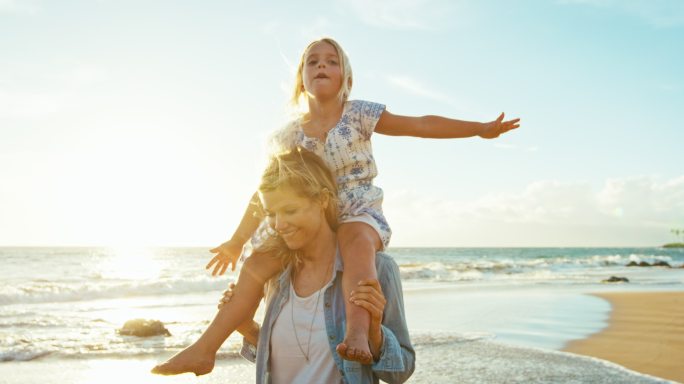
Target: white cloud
668,87
417,88
79,75
20,104
624,211
270,28
36,92
401,14
658,13
18,6
514,147
644,199
320,27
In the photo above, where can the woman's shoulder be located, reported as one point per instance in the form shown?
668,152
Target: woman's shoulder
385,263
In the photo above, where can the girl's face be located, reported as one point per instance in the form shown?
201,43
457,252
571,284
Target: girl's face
322,73
296,218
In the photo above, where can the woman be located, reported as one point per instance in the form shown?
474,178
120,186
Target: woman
305,314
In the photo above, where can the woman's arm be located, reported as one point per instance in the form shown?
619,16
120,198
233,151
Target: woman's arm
368,295
396,362
229,252
438,127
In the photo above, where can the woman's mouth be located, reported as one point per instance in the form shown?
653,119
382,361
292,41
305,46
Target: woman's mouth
287,234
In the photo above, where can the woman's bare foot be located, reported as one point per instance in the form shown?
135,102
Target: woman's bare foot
191,359
355,348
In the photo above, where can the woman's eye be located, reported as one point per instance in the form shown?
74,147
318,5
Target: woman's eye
290,211
333,62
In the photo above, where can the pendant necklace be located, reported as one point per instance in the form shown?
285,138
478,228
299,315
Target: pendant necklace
313,318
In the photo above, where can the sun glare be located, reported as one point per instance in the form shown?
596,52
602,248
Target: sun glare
131,263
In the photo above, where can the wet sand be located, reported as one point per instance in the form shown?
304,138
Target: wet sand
466,362
645,333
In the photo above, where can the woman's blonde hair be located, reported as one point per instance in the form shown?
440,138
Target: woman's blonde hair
304,173
345,66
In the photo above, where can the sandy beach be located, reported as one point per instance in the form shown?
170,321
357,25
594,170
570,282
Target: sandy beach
645,334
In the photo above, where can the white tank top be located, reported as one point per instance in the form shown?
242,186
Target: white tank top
288,364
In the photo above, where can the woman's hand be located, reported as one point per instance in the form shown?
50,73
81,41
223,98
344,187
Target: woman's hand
227,295
228,253
368,295
493,129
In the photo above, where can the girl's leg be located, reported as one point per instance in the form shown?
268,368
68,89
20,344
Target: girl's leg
199,357
358,244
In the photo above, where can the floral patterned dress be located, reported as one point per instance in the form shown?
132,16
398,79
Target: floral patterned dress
348,153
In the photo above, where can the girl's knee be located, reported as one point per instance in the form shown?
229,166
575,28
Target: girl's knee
359,233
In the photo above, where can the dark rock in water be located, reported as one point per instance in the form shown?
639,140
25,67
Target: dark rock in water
645,264
616,279
143,328
662,264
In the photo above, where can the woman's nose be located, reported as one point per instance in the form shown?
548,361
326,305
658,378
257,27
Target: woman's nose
279,223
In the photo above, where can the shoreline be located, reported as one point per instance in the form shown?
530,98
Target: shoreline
483,342
645,333
469,362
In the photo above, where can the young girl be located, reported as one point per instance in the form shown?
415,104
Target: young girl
339,131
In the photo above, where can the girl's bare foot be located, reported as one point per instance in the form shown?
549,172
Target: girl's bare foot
191,359
355,348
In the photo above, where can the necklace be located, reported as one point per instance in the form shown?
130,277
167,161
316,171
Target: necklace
313,318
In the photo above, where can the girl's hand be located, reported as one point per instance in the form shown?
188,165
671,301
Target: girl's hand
368,295
228,253
493,129
227,295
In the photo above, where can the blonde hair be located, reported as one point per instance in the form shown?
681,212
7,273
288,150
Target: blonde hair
345,66
306,175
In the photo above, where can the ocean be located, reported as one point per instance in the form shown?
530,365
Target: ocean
64,305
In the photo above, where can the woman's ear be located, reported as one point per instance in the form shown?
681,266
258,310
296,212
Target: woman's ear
325,198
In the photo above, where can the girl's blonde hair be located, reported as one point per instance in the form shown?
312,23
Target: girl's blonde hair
304,173
345,66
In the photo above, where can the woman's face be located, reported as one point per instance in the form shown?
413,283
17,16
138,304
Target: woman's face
296,218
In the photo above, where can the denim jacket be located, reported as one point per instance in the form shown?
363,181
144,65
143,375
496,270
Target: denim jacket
397,357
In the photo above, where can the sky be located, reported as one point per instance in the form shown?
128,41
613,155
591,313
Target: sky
143,123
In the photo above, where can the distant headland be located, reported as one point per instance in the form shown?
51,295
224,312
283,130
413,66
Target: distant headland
677,232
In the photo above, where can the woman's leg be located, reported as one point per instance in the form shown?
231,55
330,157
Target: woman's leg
358,244
199,357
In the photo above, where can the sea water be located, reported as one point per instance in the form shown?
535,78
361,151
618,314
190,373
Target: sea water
67,303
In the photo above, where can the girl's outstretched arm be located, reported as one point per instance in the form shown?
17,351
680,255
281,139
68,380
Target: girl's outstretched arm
438,127
227,254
